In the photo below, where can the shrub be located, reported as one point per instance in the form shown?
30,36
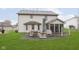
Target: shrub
16,31
3,31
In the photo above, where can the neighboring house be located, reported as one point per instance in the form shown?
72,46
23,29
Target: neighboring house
5,26
29,20
72,23
15,27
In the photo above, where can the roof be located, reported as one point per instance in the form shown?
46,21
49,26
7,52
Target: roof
55,20
4,24
36,12
32,23
72,18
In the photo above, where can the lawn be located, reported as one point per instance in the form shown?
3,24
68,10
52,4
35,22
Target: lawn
15,41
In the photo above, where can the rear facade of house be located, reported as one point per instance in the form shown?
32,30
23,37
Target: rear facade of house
29,20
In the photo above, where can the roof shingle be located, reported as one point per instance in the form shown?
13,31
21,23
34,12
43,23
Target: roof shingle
36,12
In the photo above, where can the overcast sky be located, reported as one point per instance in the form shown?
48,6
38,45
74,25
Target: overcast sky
10,13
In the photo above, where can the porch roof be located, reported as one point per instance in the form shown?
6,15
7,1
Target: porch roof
55,20
32,23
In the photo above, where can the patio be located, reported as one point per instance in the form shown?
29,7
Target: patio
35,36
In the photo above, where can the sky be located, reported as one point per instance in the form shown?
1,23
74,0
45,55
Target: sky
10,13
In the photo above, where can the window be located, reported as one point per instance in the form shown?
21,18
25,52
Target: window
71,26
61,26
47,26
31,16
52,27
38,27
32,27
46,17
56,28
26,27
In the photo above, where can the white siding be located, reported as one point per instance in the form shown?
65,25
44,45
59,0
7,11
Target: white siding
26,18
71,22
56,22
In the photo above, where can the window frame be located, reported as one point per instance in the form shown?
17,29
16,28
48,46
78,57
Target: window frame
47,26
31,16
26,27
33,27
38,27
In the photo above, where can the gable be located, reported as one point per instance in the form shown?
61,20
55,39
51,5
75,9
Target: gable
56,21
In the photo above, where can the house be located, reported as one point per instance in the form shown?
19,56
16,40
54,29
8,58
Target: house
31,20
72,23
15,27
6,26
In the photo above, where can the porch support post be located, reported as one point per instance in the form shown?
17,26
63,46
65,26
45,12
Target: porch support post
59,28
54,29
49,26
62,30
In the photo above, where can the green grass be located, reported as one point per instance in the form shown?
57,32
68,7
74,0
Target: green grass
15,41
